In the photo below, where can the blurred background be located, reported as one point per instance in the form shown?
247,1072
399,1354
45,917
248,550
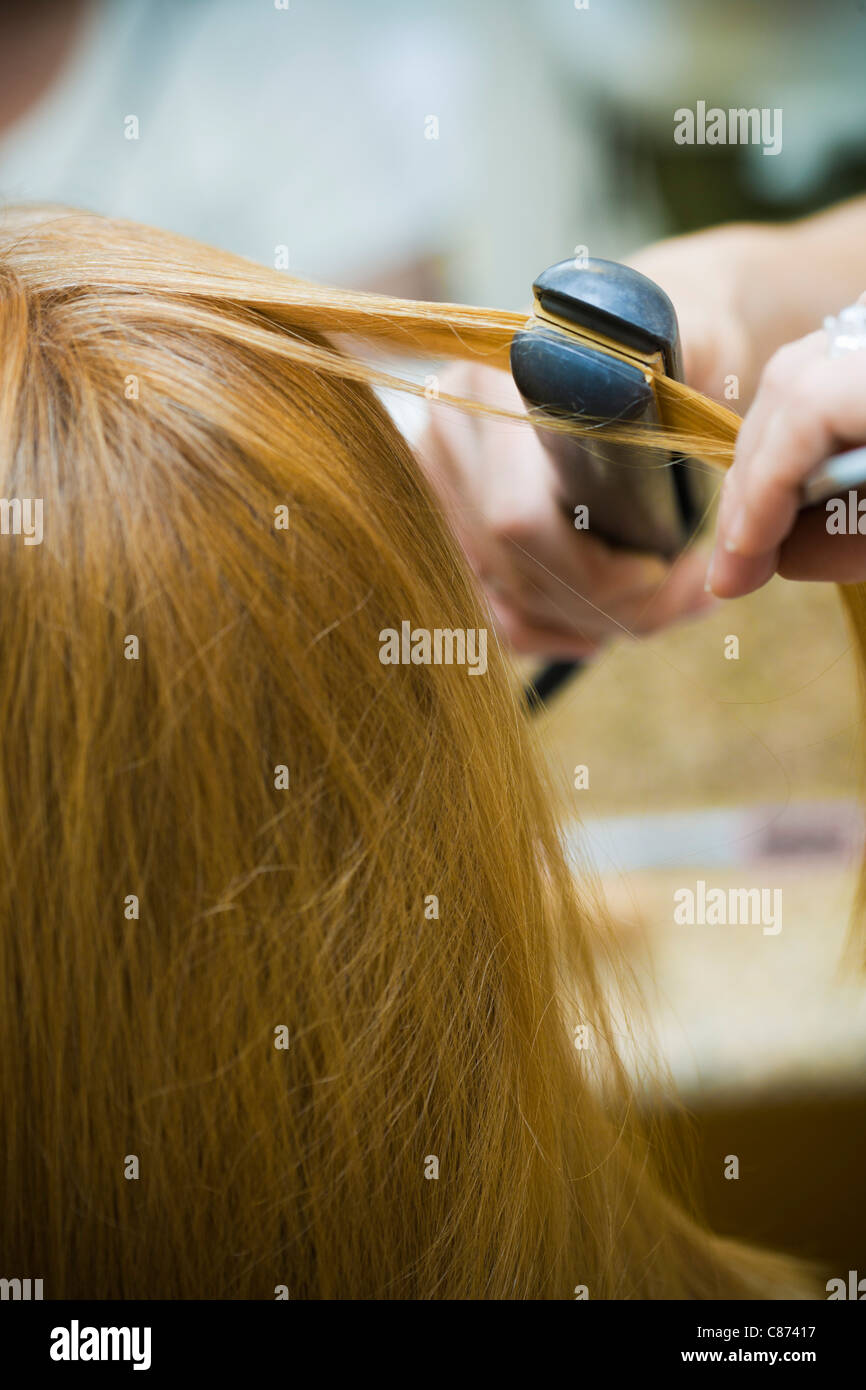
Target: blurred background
453,150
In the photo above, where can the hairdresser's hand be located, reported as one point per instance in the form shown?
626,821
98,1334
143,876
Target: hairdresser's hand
554,591
808,407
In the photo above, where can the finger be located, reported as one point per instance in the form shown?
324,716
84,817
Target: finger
773,391
531,562
811,553
733,576
551,575
584,582
527,638
823,408
774,386
663,594
682,595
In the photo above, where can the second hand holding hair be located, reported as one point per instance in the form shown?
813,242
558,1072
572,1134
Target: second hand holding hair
810,404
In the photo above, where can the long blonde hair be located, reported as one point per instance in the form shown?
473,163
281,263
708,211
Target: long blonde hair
284,931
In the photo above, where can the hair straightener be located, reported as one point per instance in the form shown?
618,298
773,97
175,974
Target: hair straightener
598,335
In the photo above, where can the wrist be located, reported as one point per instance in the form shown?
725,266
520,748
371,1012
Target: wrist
766,266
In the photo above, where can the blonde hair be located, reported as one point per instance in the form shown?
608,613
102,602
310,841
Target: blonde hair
171,913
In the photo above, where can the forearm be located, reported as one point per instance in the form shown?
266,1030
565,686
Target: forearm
794,275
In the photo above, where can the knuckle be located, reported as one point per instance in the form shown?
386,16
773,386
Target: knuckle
519,635
516,527
594,575
779,373
809,398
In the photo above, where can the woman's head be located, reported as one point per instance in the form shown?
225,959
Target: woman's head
284,929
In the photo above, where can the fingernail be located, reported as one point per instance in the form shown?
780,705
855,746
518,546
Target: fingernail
708,585
735,531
